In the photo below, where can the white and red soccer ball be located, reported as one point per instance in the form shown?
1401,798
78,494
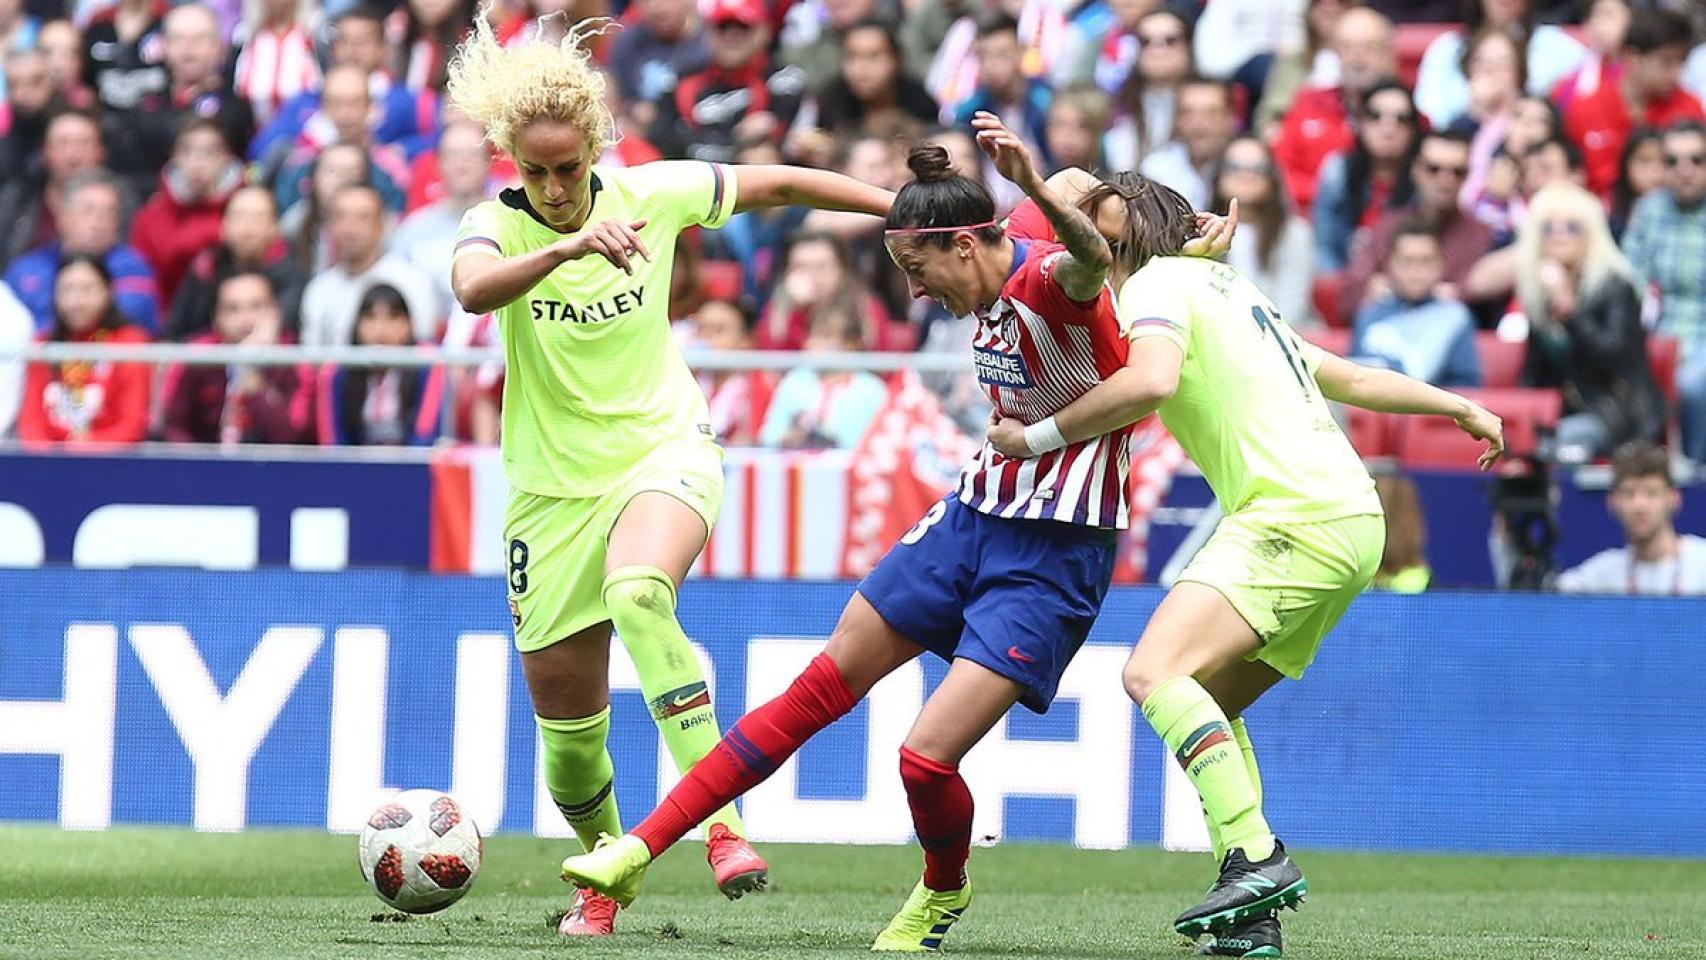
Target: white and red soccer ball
420,852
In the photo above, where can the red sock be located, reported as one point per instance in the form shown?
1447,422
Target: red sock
941,815
751,751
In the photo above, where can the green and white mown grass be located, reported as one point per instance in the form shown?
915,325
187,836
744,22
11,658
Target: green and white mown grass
177,895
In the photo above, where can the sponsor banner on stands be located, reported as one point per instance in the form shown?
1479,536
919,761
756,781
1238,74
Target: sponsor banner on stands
230,700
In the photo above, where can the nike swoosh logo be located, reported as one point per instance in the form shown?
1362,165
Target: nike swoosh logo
1020,655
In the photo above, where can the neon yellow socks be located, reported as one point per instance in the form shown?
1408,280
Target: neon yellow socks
1242,735
579,775
1196,730
641,603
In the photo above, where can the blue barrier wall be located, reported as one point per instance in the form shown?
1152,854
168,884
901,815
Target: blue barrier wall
1440,722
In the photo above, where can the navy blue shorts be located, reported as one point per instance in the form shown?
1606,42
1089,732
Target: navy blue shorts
1015,596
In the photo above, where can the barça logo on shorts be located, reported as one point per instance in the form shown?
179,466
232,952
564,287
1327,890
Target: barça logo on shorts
515,612
998,369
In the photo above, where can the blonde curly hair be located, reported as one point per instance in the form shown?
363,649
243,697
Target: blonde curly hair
507,88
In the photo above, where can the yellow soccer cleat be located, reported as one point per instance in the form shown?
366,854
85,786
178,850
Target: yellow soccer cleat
614,868
920,925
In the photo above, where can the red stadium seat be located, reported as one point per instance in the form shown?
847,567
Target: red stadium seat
721,279
1325,295
1330,339
1501,361
1662,354
1435,442
1372,433
1410,41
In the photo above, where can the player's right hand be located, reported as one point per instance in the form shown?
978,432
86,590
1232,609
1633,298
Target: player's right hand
1483,424
1214,234
1007,436
614,240
1006,150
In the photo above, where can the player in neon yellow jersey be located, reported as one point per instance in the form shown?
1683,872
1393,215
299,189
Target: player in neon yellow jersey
1301,536
607,444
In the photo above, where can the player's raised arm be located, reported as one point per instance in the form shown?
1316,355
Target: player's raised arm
1084,271
1388,391
765,185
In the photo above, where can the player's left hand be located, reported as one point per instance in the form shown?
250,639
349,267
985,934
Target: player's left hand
1012,160
1483,424
1214,234
1007,436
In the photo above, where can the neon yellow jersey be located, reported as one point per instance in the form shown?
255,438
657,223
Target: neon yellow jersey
1247,410
594,379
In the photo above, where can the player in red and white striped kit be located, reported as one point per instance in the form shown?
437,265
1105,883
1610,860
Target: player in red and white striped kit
1003,578
1036,350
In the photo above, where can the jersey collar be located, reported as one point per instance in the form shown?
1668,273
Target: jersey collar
1021,252
516,199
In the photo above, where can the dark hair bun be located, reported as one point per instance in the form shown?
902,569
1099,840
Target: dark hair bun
930,163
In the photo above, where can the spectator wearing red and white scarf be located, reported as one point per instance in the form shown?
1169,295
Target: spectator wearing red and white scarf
275,60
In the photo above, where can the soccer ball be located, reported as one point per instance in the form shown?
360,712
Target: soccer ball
419,852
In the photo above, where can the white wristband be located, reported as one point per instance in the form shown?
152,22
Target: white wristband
1044,436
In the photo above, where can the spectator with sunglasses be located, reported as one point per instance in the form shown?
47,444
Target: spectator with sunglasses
1273,245
1647,91
1357,187
1438,172
1583,304
1666,243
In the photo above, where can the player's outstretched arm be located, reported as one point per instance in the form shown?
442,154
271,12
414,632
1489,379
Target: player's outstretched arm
761,186
1389,391
1134,391
1084,270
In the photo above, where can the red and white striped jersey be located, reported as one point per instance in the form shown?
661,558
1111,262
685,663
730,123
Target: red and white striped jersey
273,66
1037,350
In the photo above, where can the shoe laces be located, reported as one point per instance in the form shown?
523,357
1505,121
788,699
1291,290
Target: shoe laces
724,842
594,908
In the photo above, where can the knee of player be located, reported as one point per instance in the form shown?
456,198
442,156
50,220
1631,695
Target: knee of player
918,769
1141,678
639,590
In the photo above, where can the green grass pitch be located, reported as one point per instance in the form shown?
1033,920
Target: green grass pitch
177,895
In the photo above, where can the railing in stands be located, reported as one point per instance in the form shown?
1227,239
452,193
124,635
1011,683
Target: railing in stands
219,355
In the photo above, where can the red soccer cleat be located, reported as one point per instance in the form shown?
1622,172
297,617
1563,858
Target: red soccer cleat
593,915
738,868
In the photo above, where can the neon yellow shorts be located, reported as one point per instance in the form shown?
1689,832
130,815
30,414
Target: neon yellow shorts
556,546
1291,582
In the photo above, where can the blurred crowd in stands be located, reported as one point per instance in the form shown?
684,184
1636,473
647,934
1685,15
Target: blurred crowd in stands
1500,195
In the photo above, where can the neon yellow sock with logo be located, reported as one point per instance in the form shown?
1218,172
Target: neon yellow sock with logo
1196,730
579,775
1242,735
641,603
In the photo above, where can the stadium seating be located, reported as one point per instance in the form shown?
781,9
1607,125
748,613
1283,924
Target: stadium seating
1330,339
1662,355
1324,294
1373,434
1501,360
1435,442
1409,42
722,279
